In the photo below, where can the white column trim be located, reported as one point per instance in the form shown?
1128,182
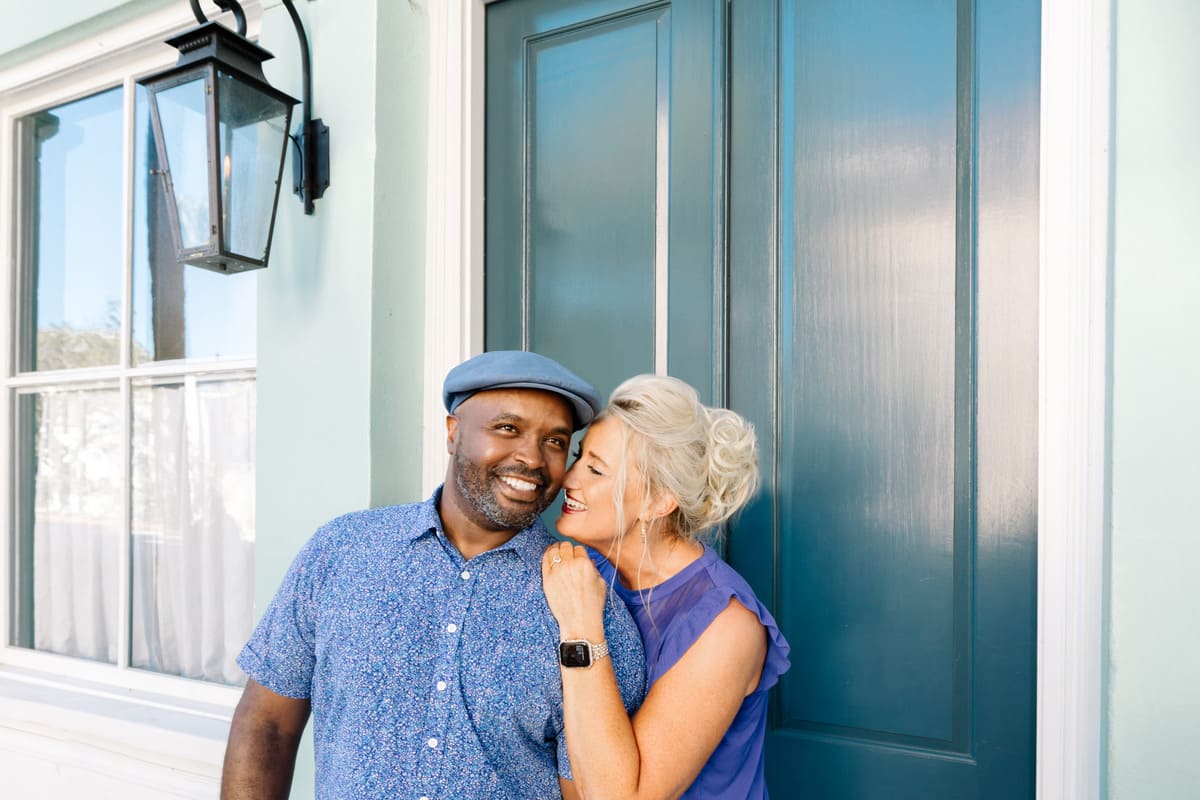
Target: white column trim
1073,365
454,209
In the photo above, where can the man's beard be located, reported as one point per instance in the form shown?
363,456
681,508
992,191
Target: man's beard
474,487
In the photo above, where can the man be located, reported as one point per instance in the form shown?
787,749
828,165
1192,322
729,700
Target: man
418,635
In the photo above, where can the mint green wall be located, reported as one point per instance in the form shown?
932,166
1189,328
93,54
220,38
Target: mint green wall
340,311
1153,694
340,307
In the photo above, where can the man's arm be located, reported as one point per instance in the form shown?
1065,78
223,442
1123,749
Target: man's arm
263,738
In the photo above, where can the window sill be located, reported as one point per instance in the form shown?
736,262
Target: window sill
119,734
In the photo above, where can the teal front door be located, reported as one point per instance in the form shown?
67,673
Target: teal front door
823,214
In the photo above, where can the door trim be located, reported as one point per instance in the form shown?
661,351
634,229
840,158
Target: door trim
1073,468
1073,340
454,212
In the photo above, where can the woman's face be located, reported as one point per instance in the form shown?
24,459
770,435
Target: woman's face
589,513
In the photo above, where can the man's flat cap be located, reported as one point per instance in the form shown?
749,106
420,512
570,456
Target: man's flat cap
519,369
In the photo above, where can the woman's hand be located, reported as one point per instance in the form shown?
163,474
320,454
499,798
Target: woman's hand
575,592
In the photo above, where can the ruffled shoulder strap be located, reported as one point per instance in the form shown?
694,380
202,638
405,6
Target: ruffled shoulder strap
689,623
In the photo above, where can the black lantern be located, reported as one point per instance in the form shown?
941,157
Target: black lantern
222,131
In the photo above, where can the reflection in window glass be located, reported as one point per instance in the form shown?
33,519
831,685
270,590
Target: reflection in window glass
72,251
65,594
193,526
179,311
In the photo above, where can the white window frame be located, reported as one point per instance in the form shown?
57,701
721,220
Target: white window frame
107,60
1073,268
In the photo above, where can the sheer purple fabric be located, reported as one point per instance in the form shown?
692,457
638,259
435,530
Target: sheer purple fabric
671,616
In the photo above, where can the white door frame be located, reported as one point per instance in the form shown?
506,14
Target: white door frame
1073,356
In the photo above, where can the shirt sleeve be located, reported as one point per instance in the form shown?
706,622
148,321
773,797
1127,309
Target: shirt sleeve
625,650
281,652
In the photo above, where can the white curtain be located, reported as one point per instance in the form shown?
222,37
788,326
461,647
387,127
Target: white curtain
192,525
76,523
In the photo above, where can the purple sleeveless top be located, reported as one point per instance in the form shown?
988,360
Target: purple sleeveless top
671,616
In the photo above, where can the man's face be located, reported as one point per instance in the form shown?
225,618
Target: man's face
509,455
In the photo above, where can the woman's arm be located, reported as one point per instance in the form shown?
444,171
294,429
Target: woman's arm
658,753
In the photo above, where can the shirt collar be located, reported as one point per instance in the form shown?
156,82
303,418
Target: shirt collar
529,544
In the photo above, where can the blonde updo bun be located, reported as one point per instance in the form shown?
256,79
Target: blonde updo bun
705,458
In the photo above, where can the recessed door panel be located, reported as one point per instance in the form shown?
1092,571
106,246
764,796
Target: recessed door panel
602,194
867,121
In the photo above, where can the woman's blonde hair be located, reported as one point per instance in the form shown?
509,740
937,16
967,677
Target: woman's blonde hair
705,458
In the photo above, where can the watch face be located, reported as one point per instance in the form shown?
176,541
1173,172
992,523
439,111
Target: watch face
575,654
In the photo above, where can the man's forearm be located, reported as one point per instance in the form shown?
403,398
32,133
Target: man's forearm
263,739
259,764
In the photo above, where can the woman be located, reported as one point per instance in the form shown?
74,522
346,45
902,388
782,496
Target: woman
656,471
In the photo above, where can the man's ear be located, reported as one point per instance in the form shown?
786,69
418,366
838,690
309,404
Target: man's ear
451,433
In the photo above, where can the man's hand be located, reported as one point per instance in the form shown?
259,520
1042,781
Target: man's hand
263,738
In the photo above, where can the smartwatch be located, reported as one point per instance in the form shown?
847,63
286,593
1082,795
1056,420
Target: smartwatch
580,653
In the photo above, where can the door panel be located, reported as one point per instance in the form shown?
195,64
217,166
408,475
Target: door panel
868,276
893,386
871,169
604,155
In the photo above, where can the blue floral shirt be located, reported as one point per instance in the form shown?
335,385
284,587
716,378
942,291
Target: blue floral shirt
430,676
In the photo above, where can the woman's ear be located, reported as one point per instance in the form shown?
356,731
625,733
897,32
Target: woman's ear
662,505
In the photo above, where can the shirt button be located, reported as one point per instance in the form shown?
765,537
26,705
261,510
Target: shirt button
451,628
466,575
441,686
432,743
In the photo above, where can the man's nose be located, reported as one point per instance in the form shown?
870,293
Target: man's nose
529,452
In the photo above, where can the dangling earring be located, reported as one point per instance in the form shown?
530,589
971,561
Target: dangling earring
643,533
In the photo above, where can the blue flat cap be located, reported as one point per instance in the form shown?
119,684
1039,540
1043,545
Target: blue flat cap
519,369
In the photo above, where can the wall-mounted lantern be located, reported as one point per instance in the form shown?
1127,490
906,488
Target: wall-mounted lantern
221,131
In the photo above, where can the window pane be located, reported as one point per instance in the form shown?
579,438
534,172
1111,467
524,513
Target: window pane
193,526
179,311
66,559
71,248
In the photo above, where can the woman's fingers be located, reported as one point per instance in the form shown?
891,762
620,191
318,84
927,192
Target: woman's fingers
559,552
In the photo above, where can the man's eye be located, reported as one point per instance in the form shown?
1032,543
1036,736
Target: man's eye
556,442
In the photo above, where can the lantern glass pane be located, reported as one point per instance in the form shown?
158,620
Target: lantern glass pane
181,113
253,126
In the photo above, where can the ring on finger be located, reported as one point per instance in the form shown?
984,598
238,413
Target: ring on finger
556,560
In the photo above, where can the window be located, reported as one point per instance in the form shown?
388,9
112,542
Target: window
131,403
